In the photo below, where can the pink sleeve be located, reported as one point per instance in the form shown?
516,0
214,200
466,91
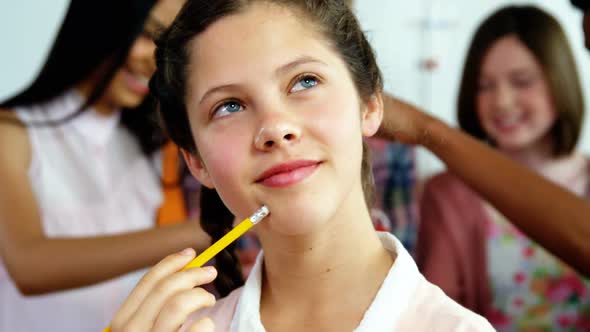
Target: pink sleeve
436,251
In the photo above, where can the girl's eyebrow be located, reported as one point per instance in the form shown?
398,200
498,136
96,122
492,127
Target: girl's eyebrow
279,71
522,71
297,62
216,89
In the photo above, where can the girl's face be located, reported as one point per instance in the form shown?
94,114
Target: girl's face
514,102
276,118
129,86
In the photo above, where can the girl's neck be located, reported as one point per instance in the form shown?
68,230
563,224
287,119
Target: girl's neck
570,171
321,274
535,156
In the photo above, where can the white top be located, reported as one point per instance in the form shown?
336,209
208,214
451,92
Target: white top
405,302
89,178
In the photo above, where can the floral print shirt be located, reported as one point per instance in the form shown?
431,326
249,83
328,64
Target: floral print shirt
531,289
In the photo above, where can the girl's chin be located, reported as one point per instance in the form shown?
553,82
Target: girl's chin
297,214
516,141
291,227
294,225
513,145
128,99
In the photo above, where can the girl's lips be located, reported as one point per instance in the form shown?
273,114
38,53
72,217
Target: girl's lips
508,124
506,127
287,174
138,85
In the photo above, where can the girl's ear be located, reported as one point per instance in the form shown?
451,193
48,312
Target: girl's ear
372,115
197,168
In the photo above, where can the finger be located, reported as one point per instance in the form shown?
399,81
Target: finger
203,325
164,268
145,316
177,308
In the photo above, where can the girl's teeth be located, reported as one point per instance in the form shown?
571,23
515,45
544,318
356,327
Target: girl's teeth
140,78
143,79
509,121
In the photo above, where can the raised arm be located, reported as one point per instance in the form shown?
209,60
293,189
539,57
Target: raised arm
552,216
39,264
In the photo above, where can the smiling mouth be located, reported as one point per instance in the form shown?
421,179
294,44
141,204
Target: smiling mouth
136,82
508,123
288,174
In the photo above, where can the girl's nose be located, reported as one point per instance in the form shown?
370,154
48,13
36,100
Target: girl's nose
278,130
505,98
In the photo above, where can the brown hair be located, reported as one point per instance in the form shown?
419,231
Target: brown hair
545,39
217,220
333,18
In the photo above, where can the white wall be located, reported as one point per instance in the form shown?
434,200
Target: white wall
27,30
407,33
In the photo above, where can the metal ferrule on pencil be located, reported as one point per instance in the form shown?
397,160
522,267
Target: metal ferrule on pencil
259,214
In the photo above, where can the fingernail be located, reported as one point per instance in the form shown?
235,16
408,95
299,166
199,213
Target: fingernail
187,252
210,270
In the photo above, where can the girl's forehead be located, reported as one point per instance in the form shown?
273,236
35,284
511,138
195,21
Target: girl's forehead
242,27
257,41
508,54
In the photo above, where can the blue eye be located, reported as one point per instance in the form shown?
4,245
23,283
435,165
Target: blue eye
304,83
227,108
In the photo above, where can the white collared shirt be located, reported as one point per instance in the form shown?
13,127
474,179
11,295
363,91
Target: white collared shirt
405,302
89,178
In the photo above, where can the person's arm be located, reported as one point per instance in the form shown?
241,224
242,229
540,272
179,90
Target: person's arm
550,215
39,264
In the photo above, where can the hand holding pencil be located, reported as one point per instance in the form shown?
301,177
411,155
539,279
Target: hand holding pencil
170,291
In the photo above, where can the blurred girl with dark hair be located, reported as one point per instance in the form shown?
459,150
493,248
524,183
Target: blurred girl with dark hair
79,187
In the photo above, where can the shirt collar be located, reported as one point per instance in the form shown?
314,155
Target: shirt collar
383,314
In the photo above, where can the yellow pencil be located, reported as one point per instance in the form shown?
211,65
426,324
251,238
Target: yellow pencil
225,241
228,238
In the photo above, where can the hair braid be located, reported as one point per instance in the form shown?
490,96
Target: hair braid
217,221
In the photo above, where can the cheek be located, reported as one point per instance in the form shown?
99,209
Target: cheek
223,154
335,120
116,83
483,105
224,160
117,91
545,118
538,101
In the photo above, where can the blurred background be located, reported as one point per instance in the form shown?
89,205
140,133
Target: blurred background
421,46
